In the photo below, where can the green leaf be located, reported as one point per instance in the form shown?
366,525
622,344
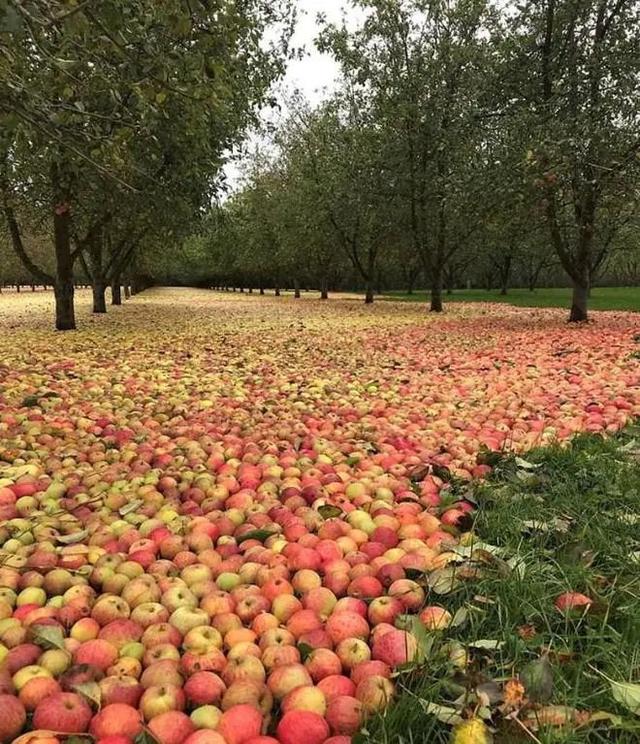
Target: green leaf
145,737
460,617
525,464
328,511
48,636
422,635
260,535
90,691
442,713
75,537
627,694
130,507
486,644
30,401
305,649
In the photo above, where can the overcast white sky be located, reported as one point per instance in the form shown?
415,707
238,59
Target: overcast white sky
315,74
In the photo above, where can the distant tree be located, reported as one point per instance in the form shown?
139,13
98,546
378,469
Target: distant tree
572,72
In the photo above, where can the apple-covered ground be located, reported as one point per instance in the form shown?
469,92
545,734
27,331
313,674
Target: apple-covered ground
228,519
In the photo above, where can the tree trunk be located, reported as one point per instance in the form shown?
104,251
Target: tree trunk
579,302
127,291
436,290
64,289
277,292
99,301
261,290
65,312
18,288
324,289
116,293
368,293
250,290
296,289
505,272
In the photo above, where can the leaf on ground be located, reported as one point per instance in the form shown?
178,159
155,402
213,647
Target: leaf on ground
443,713
305,649
460,617
551,715
467,551
525,464
328,511
443,580
555,525
259,535
422,636
48,636
489,693
75,537
486,644
91,692
130,507
145,737
627,694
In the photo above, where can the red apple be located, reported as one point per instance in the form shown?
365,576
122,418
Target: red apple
63,711
302,727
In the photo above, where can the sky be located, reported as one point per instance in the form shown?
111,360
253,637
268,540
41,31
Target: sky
316,74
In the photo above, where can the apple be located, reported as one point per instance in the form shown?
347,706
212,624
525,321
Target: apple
116,719
395,647
248,692
205,736
186,618
306,697
206,717
409,592
246,667
336,685
302,727
321,663
204,688
13,717
345,715
435,617
352,651
240,723
570,601
385,610
27,673
171,727
347,624
287,677
98,653
63,711
36,690
162,672
369,669
375,693
159,699
120,689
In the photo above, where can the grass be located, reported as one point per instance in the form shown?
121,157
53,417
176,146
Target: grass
568,523
602,298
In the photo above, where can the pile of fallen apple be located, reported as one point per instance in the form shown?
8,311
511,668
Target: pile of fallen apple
259,596
222,543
